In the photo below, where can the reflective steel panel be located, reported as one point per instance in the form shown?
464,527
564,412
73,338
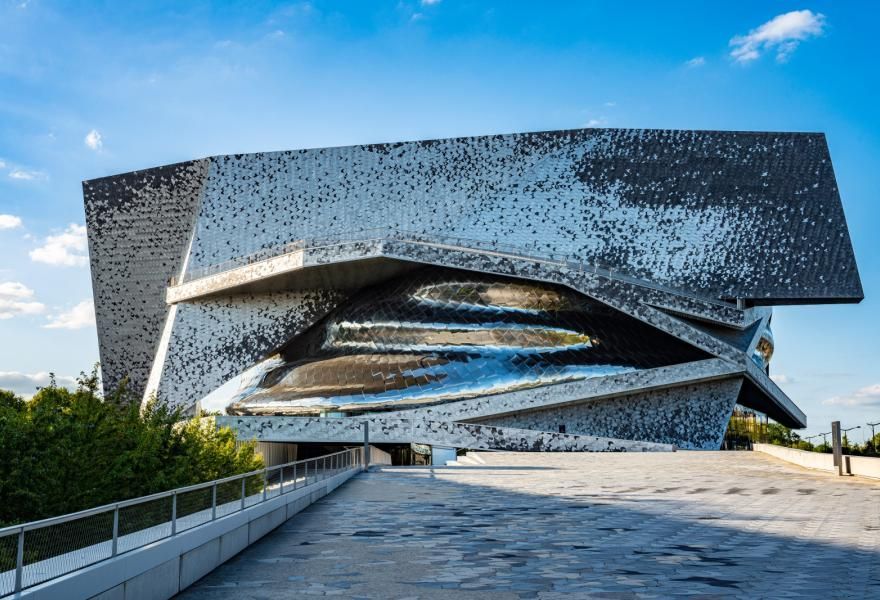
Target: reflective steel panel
438,335
763,352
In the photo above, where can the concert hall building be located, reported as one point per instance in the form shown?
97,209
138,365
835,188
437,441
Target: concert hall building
591,289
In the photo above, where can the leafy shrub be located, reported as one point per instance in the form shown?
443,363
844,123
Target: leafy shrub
64,451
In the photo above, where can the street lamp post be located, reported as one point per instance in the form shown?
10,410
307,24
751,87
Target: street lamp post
843,432
872,425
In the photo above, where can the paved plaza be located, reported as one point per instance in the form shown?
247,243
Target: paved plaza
689,524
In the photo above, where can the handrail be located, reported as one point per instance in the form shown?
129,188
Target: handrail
454,242
92,547
158,495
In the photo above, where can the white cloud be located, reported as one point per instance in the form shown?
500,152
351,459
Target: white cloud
25,175
9,221
611,104
782,33
14,289
2,164
26,384
866,396
781,378
81,315
697,61
17,299
430,2
67,249
94,140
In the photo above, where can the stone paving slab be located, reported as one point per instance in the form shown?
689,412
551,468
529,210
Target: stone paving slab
533,525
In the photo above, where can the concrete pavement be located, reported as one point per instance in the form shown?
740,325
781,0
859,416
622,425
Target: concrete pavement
685,524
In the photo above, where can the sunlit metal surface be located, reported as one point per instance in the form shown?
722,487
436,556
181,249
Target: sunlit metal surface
764,350
439,335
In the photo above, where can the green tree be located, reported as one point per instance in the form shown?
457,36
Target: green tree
804,445
781,435
872,446
64,451
823,448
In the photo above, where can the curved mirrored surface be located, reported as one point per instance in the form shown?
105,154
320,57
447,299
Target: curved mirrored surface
437,335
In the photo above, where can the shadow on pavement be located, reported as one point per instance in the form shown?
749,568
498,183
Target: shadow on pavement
458,532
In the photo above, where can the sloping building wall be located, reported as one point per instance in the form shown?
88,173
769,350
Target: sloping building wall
139,227
692,417
721,214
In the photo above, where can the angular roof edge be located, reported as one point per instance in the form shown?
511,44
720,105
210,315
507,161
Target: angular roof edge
459,138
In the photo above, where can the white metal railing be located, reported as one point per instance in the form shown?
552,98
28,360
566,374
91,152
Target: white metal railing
438,240
36,552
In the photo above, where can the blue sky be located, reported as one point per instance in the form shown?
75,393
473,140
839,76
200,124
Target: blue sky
88,90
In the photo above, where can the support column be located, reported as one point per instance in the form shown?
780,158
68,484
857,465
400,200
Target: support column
837,446
366,445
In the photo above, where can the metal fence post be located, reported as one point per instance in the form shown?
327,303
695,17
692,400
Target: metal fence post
265,475
19,560
173,513
294,475
115,529
214,502
281,478
242,493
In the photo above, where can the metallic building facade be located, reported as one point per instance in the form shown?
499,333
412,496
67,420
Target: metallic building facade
613,284
438,335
